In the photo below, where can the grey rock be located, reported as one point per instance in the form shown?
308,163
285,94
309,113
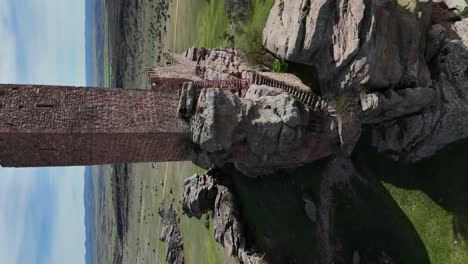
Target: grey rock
289,140
228,228
310,207
419,136
170,234
379,107
182,108
216,115
226,223
461,29
191,98
459,5
266,130
205,193
199,195
347,41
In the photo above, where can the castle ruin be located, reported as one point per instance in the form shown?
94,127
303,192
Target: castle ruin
43,125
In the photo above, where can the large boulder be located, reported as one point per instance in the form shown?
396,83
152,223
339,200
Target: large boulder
199,195
170,233
379,44
461,30
459,5
213,192
261,132
378,107
229,230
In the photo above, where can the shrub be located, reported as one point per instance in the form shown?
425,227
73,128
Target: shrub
253,48
465,12
280,65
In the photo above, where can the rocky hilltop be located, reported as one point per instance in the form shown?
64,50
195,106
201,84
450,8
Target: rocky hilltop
397,70
403,64
394,68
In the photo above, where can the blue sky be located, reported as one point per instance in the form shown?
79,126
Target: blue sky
42,210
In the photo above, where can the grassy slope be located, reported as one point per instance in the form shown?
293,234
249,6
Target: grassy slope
155,187
203,23
105,229
434,224
199,243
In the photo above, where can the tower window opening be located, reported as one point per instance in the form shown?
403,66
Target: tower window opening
45,105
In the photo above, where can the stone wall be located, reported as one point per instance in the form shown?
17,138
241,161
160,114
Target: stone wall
64,126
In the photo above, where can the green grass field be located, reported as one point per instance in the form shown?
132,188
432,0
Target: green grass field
204,23
142,243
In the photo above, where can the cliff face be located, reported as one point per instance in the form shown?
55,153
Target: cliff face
404,61
445,120
379,44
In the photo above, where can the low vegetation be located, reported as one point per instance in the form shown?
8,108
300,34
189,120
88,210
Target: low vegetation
256,53
280,65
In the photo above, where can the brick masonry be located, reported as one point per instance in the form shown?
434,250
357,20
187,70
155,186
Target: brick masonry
66,126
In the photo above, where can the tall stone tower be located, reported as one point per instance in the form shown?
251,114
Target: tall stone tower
67,126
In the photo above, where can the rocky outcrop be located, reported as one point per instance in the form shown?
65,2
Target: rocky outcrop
227,226
379,107
199,195
310,207
378,44
461,31
219,63
405,59
443,121
261,132
170,234
459,5
421,135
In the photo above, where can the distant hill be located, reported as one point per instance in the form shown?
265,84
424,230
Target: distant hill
94,37
94,77
89,214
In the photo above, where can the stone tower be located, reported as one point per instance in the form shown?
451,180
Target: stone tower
68,126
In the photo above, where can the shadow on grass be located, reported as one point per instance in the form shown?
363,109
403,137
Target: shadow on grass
365,219
368,221
443,177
